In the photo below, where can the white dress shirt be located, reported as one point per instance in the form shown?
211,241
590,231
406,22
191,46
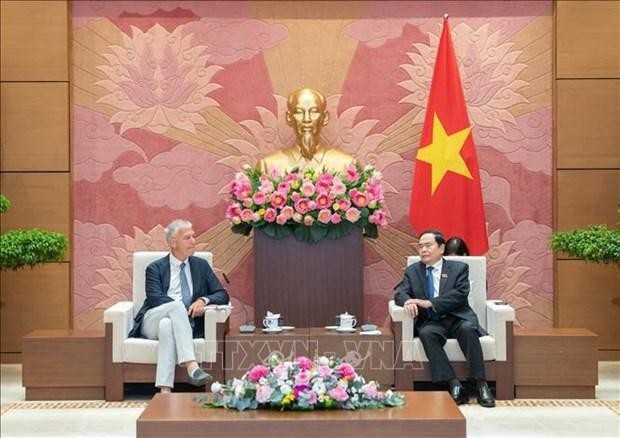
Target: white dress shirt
174,290
436,276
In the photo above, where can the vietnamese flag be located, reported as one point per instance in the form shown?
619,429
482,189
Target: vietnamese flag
446,191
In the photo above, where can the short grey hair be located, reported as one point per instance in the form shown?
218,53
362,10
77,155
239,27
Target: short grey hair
173,228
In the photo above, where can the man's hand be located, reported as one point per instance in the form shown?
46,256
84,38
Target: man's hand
412,306
197,308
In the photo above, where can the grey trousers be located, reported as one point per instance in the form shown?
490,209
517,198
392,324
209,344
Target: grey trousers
170,325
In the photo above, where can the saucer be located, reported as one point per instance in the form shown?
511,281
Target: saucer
331,327
287,327
272,330
346,330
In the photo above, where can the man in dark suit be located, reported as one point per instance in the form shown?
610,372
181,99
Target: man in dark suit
434,292
178,289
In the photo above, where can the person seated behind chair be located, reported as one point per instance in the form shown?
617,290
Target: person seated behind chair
455,246
444,313
178,288
307,114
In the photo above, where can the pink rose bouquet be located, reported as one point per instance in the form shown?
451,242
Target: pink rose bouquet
309,204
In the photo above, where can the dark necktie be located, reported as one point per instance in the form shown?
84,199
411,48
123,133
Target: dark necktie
430,288
185,292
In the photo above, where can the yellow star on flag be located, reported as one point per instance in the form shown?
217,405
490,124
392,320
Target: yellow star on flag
444,153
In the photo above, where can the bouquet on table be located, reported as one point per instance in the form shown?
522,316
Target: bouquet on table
309,204
301,384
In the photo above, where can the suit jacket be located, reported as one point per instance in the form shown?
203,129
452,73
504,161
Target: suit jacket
157,282
453,291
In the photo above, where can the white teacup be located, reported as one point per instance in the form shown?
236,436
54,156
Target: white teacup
347,321
271,321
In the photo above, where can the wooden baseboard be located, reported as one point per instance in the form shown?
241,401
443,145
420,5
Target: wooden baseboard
605,355
83,393
10,358
555,391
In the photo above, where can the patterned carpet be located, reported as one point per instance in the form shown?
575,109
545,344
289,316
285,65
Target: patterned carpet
613,405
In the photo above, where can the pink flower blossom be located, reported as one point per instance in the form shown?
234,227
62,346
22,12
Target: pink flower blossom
308,189
295,196
291,177
297,217
324,370
378,218
263,393
265,184
247,203
280,370
360,199
336,218
281,219
308,220
287,211
344,204
346,371
277,200
338,187
351,173
370,390
247,215
304,363
311,205
301,205
255,374
233,210
324,216
352,215
283,188
339,393
259,198
270,215
303,378
375,189
323,201
324,182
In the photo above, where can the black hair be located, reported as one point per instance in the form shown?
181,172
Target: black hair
456,246
437,234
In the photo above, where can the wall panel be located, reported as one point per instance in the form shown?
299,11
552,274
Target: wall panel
587,197
33,299
589,297
34,43
35,126
588,121
588,39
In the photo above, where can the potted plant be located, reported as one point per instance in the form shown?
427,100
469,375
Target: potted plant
20,248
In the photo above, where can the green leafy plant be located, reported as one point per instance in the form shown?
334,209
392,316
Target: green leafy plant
19,248
596,244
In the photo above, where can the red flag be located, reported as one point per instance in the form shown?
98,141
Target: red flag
446,191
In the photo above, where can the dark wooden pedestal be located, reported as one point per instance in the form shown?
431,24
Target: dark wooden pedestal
308,283
426,414
555,363
63,365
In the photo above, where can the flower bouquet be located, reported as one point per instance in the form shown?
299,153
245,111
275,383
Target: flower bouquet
309,204
301,384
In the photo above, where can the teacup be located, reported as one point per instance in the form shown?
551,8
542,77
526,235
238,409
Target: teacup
271,321
346,321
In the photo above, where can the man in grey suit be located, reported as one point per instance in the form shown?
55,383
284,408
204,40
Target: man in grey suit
434,292
178,289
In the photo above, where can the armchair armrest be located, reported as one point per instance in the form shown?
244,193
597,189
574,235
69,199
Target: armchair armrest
398,315
498,314
213,316
120,315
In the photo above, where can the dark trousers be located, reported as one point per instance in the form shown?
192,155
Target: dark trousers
434,335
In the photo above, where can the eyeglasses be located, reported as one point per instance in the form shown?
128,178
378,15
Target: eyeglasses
425,245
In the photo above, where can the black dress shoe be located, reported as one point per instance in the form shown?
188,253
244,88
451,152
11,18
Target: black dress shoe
485,396
459,394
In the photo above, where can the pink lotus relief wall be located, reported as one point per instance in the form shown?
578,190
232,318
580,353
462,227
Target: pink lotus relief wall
170,99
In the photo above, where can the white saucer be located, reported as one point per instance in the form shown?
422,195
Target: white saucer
272,330
287,327
331,327
346,330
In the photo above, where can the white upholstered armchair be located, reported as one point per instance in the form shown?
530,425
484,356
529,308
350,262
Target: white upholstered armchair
411,363
133,360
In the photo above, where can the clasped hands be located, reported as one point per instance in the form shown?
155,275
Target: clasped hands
197,308
412,306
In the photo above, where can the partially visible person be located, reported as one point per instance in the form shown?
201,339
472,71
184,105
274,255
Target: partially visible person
434,291
178,288
455,246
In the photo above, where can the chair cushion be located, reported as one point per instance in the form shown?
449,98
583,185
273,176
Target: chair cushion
137,350
454,351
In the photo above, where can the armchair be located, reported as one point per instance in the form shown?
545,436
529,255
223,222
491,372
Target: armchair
496,317
133,360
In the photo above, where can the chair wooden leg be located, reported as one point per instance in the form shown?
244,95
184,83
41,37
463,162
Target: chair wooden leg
113,372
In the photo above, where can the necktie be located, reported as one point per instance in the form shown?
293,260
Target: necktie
430,288
185,292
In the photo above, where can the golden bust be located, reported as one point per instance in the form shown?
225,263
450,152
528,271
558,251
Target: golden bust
306,114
